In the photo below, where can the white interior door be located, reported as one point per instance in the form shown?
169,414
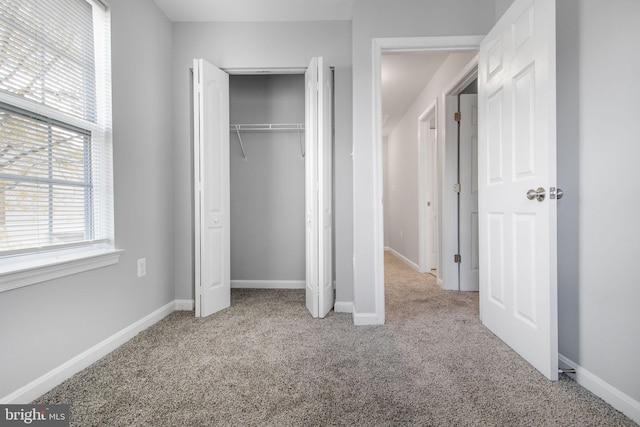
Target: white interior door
318,192
211,187
517,149
469,247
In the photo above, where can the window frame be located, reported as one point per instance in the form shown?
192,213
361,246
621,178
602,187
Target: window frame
31,266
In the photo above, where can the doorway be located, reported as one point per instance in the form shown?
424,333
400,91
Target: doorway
427,118
212,186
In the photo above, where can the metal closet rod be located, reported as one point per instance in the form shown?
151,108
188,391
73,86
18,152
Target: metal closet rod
267,127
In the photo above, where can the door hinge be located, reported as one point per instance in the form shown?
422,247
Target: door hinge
457,187
457,116
457,258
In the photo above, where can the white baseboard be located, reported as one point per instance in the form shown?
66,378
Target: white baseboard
56,376
614,397
185,304
343,307
268,284
404,259
362,319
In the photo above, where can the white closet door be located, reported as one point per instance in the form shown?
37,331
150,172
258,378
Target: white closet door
318,192
211,186
517,149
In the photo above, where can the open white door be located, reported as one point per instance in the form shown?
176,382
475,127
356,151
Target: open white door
211,187
318,192
517,153
469,247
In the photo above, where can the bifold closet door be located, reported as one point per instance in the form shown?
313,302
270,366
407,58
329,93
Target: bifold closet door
318,191
211,188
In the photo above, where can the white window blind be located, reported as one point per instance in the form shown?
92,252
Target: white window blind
55,153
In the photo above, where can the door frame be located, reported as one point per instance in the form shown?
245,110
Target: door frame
401,44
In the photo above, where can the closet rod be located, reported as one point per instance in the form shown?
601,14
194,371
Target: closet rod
266,126
261,127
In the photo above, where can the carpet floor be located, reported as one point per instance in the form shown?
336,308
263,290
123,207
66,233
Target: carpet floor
266,362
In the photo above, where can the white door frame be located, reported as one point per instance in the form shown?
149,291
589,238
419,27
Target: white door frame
425,181
400,44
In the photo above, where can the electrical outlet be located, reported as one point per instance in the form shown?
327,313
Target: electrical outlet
142,267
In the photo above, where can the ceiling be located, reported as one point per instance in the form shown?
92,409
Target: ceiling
256,10
404,75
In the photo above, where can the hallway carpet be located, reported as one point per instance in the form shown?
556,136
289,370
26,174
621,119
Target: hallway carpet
266,362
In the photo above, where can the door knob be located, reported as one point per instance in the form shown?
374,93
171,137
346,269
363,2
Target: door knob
536,194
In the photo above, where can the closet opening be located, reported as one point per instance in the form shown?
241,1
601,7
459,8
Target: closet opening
267,180
263,200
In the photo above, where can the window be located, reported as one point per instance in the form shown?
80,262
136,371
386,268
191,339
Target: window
56,197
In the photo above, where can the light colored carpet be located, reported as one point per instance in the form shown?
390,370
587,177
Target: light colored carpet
265,361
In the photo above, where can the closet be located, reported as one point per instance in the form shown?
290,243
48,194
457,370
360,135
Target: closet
279,178
267,174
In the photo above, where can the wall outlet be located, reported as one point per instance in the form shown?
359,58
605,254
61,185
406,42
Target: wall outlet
142,267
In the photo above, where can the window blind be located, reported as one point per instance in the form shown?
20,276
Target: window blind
55,157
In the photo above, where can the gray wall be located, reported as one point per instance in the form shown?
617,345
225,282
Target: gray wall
268,187
261,45
598,233
45,325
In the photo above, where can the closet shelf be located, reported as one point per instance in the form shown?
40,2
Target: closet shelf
252,127
266,127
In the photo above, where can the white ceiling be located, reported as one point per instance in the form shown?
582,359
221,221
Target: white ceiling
403,75
256,10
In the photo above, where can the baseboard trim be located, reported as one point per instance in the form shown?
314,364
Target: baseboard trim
268,284
363,319
56,376
404,259
185,305
343,307
613,396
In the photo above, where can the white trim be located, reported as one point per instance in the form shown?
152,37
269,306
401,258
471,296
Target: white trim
185,305
57,265
396,44
343,307
264,71
361,319
404,259
268,284
610,394
56,376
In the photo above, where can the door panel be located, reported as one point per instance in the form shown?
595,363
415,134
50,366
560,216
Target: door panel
517,146
318,179
211,185
311,188
469,267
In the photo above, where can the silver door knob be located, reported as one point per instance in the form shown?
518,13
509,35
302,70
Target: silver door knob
536,194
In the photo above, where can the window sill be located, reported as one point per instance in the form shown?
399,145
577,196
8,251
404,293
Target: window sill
29,272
